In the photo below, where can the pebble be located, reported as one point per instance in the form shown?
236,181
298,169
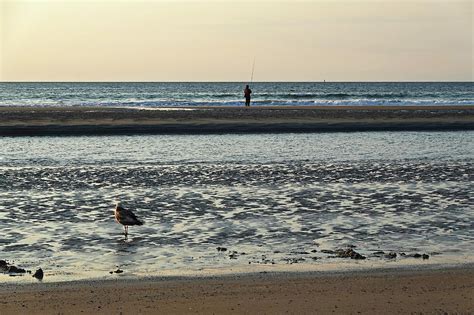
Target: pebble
391,255
39,274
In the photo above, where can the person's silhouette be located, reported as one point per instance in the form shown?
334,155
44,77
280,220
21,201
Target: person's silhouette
247,93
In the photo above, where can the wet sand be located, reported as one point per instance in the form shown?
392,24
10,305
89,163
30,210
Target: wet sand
430,291
31,121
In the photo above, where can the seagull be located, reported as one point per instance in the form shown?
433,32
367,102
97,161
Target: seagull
125,217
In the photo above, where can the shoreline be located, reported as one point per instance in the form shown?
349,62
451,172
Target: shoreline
71,121
371,291
234,272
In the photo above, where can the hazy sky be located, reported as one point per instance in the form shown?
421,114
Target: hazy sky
197,40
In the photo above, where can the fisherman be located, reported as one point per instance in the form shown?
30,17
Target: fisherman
247,93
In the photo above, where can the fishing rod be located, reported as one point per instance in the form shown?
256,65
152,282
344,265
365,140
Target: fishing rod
253,68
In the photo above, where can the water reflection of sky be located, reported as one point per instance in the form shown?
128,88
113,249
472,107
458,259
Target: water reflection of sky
255,148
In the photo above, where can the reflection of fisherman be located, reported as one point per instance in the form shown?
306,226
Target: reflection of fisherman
247,93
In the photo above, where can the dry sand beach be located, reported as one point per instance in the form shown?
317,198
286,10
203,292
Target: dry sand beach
23,121
449,291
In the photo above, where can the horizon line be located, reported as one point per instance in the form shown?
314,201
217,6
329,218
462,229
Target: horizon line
246,82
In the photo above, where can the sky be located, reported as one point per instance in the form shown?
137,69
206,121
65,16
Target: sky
205,40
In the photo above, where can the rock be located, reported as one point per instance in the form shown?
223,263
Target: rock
3,266
355,255
343,253
15,269
221,249
349,253
39,274
417,255
391,255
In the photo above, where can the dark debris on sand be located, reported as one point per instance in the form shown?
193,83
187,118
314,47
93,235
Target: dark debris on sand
118,270
416,255
349,253
5,267
39,274
301,255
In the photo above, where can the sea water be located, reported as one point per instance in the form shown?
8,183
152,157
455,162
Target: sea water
273,201
231,93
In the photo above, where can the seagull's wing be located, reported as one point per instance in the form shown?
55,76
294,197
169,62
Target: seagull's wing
128,217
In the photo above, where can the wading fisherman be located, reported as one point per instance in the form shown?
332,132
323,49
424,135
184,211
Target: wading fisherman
247,93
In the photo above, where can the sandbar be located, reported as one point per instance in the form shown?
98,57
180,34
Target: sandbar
78,120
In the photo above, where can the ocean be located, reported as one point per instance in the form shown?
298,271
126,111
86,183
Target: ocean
231,94
273,201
